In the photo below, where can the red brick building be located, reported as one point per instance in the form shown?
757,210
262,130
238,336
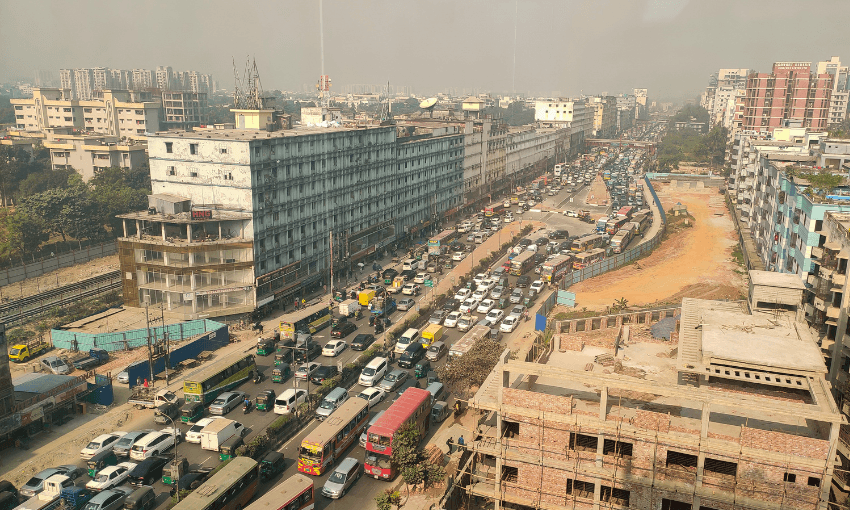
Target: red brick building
790,92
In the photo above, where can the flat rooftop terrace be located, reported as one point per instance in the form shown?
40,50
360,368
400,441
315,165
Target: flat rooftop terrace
258,134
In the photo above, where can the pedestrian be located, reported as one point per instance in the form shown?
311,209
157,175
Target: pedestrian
146,382
449,444
460,441
303,303
296,303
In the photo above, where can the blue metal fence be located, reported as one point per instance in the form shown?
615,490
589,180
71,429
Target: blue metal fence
126,340
210,341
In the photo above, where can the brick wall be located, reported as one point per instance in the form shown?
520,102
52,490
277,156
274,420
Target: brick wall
784,443
650,420
569,342
540,401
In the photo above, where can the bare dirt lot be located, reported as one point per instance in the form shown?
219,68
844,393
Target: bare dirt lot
694,262
60,277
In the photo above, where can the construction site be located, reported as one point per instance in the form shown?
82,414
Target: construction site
714,405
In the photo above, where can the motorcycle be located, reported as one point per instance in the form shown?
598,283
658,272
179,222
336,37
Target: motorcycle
259,378
246,407
358,315
379,328
371,320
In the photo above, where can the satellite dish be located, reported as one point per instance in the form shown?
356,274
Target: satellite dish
429,105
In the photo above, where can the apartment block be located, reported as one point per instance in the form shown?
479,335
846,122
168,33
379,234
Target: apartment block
183,110
626,105
86,154
790,92
576,115
840,88
245,216
141,79
726,407
604,116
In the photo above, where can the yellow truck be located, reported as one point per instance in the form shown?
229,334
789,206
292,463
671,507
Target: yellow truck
365,296
23,352
433,333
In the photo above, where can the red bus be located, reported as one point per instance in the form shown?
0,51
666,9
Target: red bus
615,224
626,211
494,209
413,406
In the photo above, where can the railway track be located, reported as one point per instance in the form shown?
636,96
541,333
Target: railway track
16,311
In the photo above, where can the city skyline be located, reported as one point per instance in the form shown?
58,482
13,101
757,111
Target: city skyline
668,47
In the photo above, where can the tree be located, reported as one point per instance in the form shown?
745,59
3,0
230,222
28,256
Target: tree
114,191
67,211
38,182
388,498
24,233
415,467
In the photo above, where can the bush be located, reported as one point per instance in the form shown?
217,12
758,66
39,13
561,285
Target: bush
276,426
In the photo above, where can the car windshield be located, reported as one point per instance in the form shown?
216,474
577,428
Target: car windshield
218,402
326,404
34,481
330,346
92,506
124,442
434,348
93,446
14,351
368,371
101,478
337,477
391,377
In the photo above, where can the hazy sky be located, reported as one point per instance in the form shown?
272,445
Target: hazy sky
569,46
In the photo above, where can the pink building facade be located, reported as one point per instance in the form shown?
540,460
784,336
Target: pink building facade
790,92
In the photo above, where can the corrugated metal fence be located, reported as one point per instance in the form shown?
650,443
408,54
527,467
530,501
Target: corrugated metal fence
126,340
209,341
40,267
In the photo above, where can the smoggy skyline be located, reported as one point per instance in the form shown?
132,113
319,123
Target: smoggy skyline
570,47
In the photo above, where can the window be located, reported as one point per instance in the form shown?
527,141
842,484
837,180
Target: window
614,495
171,171
193,148
677,459
224,151
582,442
790,477
168,147
511,428
510,474
193,174
721,467
616,448
813,481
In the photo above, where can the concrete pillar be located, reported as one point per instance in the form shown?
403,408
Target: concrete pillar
219,230
189,232
168,300
165,258
619,321
124,224
573,326
162,230
824,486
603,403
588,324
648,318
700,469
138,229
597,493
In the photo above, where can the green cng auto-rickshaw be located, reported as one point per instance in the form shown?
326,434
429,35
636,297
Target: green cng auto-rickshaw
281,374
191,412
272,464
265,400
265,347
228,448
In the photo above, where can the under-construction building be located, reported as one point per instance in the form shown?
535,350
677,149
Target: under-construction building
733,411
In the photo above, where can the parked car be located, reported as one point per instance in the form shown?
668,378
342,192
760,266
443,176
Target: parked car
322,373
287,401
226,402
343,329
101,443
362,342
111,499
56,365
372,395
334,348
393,380
306,370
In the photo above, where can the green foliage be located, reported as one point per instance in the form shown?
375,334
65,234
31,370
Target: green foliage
414,466
824,181
619,305
24,234
276,426
7,111
688,111
688,145
388,498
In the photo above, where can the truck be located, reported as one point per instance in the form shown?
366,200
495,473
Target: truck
383,306
94,358
151,398
364,296
54,495
349,307
432,333
468,340
23,352
217,432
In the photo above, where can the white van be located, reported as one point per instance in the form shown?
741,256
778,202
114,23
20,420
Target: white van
152,444
373,372
331,403
407,338
410,265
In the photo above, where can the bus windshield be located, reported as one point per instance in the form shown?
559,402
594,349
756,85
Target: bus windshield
311,453
378,459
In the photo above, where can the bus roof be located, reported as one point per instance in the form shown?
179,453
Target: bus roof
297,315
585,239
583,255
281,494
329,428
625,210
442,235
399,412
215,368
522,257
557,259
220,482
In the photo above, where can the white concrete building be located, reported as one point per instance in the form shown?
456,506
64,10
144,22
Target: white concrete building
838,100
575,114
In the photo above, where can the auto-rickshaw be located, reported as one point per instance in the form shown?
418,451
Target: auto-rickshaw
265,347
191,412
281,374
272,464
503,303
421,369
174,470
265,400
283,358
100,461
228,448
432,377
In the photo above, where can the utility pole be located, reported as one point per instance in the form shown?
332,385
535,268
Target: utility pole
165,334
150,353
331,237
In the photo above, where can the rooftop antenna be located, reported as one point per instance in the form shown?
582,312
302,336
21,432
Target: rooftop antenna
247,90
324,84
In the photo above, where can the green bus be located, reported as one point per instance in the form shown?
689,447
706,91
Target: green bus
222,376
231,488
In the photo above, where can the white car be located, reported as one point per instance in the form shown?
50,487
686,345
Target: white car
372,395
571,214
486,306
411,289
509,324
488,284
468,305
480,277
451,319
154,443
101,443
470,238
509,218
497,292
110,476
457,256
287,401
466,322
462,294
419,278
334,348
306,370
537,286
193,435
479,294
495,316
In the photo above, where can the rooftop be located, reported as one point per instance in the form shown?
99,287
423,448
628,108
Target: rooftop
255,134
186,217
772,279
33,383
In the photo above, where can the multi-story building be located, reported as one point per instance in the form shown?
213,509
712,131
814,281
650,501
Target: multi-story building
625,112
183,110
67,82
576,115
840,88
242,218
641,105
165,78
604,116
118,113
733,411
86,154
84,83
789,92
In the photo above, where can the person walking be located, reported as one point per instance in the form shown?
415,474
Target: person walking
460,442
449,444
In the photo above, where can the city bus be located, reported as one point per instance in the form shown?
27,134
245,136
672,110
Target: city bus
494,209
626,212
615,224
438,244
231,488
294,493
223,375
586,258
555,268
585,243
522,263
332,437
601,223
559,169
622,238
642,222
307,320
413,406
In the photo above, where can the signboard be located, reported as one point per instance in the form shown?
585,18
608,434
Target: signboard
201,215
566,298
429,283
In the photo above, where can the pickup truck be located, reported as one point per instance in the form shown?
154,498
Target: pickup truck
151,398
23,352
94,358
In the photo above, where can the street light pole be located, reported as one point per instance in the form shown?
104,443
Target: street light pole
174,435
